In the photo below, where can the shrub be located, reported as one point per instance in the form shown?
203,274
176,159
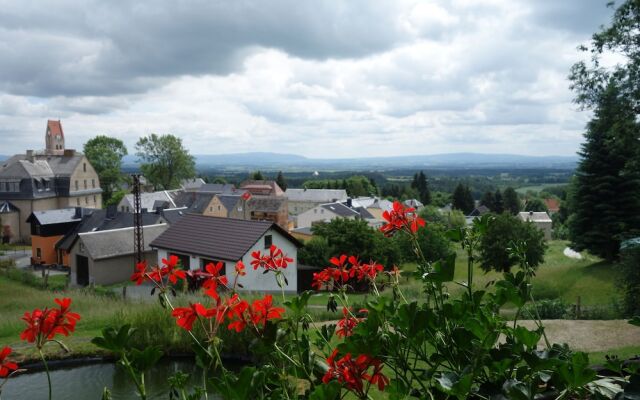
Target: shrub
546,309
630,282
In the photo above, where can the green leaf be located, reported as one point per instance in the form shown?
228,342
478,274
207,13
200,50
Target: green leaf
443,270
145,359
635,321
528,338
329,391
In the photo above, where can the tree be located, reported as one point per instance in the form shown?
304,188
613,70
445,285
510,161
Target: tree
488,200
511,201
315,252
590,79
165,162
606,202
423,188
498,203
355,236
256,176
105,155
502,233
535,204
434,243
462,199
630,280
281,181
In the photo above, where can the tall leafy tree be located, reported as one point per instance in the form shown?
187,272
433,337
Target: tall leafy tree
165,162
535,204
606,203
105,154
462,199
590,79
281,181
488,200
498,202
423,188
511,201
257,176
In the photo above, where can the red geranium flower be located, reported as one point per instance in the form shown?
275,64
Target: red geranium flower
348,323
171,270
43,325
240,268
401,218
352,373
186,316
211,284
6,367
274,260
141,273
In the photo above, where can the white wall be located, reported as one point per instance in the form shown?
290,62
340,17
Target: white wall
255,280
307,218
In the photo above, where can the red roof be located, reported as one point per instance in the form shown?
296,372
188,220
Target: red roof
552,204
55,127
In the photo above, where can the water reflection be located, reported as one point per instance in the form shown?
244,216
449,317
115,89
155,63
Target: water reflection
87,382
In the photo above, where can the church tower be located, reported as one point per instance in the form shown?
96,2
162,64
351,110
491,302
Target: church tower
54,138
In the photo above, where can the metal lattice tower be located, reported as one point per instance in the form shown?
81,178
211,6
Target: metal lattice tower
138,235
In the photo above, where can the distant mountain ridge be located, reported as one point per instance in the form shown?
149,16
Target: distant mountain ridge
470,160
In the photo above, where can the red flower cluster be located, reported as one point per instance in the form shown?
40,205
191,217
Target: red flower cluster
43,325
401,218
157,273
344,268
258,313
348,323
275,260
214,279
239,312
6,367
352,373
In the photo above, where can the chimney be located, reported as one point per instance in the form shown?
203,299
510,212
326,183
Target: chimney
530,212
111,211
30,155
349,202
79,213
145,210
159,210
69,152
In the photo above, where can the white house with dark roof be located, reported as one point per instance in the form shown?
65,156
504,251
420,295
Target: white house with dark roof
198,240
325,213
540,219
301,200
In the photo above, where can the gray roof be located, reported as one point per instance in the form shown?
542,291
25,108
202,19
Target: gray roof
535,216
340,209
364,214
195,201
228,201
195,183
96,220
266,203
316,195
214,237
304,230
117,242
147,200
19,166
217,188
415,203
59,216
171,215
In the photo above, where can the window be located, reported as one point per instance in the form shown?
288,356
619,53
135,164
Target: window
76,185
86,200
93,183
268,241
218,208
78,201
94,200
84,167
85,183
38,252
211,209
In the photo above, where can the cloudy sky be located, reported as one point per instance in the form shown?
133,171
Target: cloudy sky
317,78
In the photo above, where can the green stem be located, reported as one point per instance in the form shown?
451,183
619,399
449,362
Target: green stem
46,368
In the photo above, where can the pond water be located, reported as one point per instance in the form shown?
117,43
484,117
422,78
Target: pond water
88,382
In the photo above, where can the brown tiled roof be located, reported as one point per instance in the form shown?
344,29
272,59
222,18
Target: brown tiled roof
217,238
262,187
55,127
552,204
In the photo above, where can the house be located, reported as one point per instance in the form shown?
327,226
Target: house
226,206
47,228
150,201
325,213
51,179
540,219
378,208
101,220
479,211
553,205
198,240
302,234
192,185
269,208
107,257
414,203
262,188
301,200
218,188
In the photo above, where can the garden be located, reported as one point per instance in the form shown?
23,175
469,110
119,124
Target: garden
434,329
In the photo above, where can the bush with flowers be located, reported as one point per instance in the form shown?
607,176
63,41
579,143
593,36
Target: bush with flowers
436,347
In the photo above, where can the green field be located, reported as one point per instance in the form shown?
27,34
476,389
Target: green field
558,277
537,188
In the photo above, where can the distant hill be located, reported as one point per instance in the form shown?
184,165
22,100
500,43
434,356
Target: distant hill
268,160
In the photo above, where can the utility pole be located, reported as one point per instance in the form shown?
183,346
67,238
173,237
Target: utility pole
138,233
